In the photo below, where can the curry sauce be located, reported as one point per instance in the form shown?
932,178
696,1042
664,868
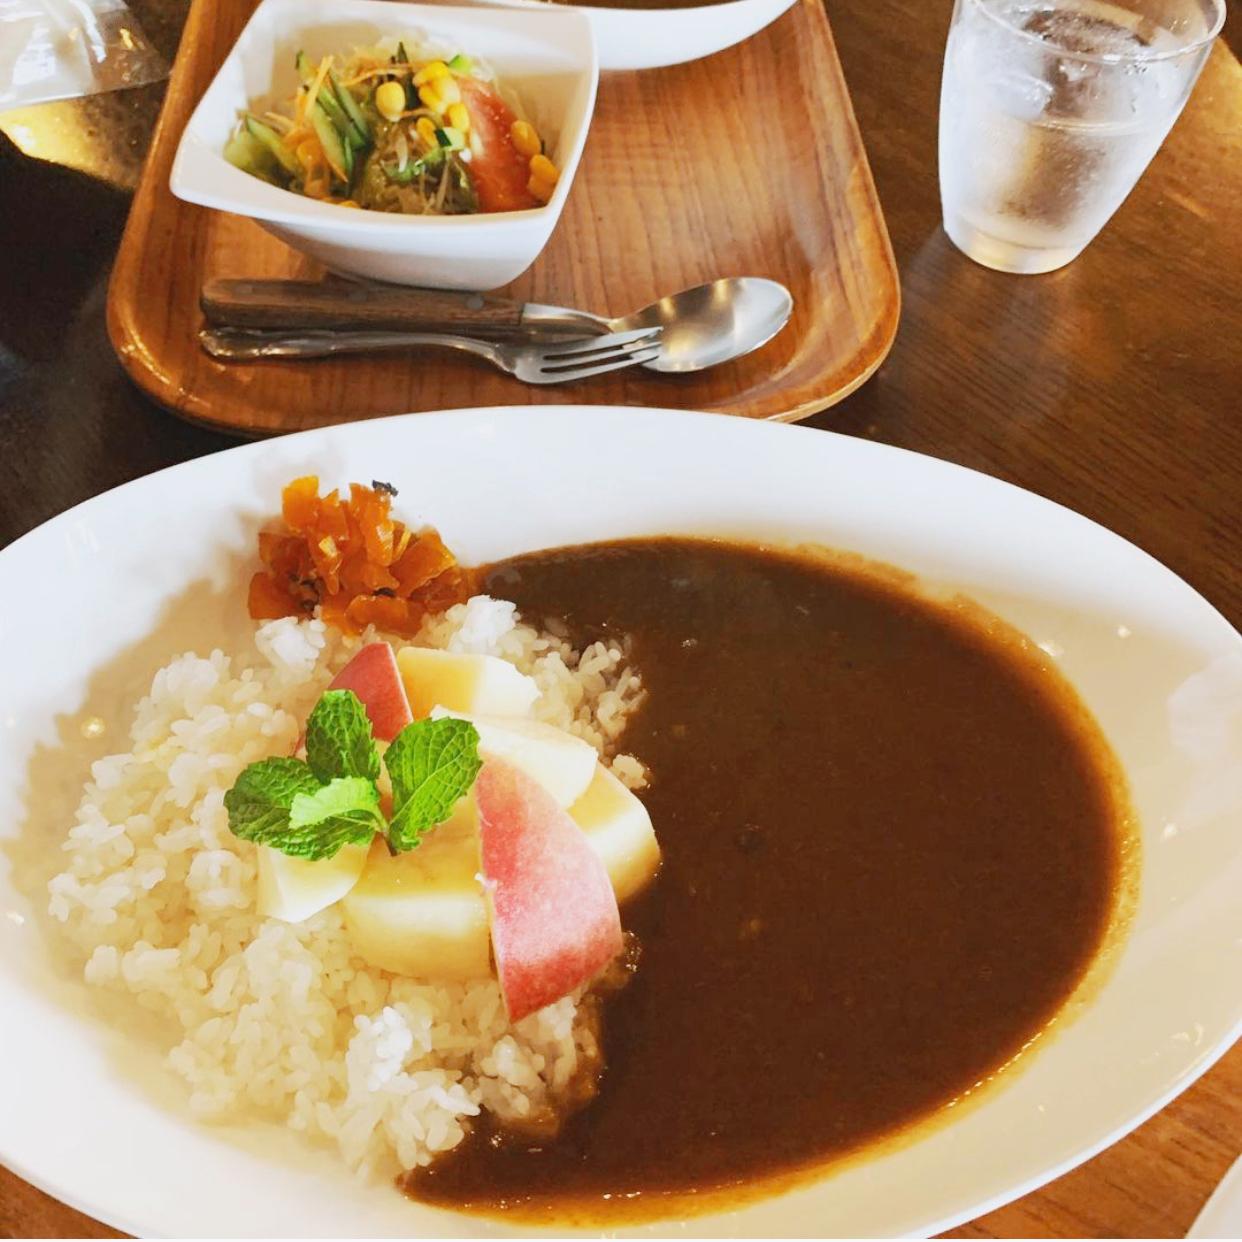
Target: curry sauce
891,850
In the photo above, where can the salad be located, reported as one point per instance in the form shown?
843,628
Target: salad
397,128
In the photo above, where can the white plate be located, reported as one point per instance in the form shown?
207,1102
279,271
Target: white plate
88,1113
1221,1216
651,38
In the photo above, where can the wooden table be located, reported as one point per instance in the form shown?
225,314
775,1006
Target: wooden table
1113,386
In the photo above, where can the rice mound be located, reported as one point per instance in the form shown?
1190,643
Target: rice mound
281,1020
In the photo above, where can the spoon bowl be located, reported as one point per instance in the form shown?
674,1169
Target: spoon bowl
703,326
713,323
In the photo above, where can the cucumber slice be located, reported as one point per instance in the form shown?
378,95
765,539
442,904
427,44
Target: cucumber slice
246,152
349,105
336,99
435,156
461,63
333,145
450,138
336,114
271,140
327,97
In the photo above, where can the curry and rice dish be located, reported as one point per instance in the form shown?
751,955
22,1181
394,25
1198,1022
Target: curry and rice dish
599,878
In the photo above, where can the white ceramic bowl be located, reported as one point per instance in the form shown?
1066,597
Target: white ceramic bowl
651,38
549,57
89,1113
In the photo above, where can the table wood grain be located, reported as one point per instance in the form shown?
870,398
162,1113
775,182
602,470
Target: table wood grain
1111,386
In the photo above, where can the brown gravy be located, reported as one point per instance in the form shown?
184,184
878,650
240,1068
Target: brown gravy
892,849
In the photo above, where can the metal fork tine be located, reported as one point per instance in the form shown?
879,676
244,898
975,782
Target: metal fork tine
636,358
570,351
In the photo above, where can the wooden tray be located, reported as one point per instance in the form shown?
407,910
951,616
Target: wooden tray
746,163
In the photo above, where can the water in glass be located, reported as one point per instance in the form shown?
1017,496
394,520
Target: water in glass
1049,112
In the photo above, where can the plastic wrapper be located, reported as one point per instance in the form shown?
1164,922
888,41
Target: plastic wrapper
61,49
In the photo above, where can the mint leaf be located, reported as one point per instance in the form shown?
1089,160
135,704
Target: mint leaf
432,763
345,811
278,802
259,802
338,738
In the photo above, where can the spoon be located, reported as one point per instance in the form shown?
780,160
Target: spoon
703,326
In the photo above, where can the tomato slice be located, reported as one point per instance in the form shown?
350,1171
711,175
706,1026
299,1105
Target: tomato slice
499,170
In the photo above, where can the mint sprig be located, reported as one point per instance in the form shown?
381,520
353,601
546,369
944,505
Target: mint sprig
338,738
261,798
310,809
345,811
432,764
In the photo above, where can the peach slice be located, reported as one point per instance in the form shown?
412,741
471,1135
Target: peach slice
619,829
294,889
421,913
374,677
464,683
561,762
553,914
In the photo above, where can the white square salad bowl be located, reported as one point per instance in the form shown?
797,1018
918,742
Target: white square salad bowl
547,57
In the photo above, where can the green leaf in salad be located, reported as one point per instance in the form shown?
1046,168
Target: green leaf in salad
338,738
432,764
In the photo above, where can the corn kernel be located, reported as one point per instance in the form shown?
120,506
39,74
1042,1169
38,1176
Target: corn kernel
540,189
459,117
426,131
542,169
525,138
429,97
448,89
431,71
390,100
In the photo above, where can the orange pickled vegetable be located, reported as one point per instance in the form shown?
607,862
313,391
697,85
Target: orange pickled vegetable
354,561
300,503
268,600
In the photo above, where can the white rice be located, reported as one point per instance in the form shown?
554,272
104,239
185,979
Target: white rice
285,1021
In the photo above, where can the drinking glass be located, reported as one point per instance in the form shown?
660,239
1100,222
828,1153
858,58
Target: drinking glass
1049,112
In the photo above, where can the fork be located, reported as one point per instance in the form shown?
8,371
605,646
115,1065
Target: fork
558,363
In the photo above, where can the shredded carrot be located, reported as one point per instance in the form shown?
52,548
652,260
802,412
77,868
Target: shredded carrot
354,562
317,84
381,71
